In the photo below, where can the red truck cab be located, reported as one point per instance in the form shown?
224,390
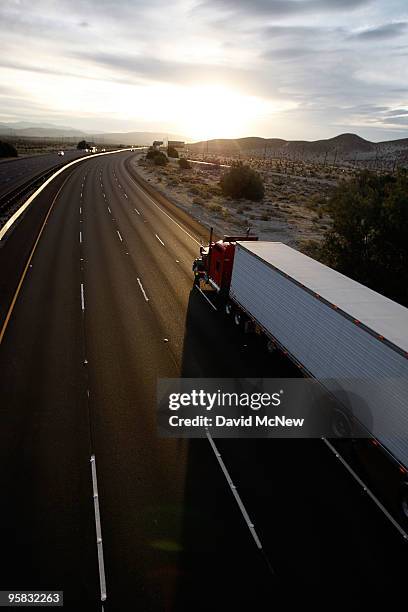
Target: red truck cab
216,262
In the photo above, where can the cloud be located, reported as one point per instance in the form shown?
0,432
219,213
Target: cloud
383,32
283,8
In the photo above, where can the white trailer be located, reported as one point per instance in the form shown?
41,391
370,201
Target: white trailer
353,340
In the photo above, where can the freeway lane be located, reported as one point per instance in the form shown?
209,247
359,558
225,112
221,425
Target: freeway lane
173,535
15,172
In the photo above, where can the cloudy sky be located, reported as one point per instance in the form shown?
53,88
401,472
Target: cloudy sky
205,68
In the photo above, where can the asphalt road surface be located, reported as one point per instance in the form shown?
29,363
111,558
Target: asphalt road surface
14,173
107,307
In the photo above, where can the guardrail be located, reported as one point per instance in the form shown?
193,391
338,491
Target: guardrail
12,196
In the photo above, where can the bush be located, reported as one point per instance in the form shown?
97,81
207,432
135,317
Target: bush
82,145
172,152
242,182
151,154
160,159
368,239
7,150
184,164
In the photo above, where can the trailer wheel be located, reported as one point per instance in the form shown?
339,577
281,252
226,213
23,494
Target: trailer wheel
341,425
238,319
270,347
228,309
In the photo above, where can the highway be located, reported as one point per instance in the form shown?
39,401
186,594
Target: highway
14,173
105,308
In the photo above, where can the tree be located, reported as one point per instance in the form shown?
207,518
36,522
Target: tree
184,163
368,239
241,181
160,159
151,154
172,152
7,150
82,145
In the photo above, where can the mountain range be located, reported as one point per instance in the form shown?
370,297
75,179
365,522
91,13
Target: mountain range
345,146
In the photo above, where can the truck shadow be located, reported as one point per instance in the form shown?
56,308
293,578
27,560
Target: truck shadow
219,566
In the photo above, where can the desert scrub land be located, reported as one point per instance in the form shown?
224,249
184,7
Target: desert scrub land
290,212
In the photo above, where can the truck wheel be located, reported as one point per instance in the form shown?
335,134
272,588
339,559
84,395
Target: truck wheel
341,424
270,347
238,319
228,309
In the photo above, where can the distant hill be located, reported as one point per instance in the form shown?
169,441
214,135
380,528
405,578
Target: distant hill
137,138
25,129
344,146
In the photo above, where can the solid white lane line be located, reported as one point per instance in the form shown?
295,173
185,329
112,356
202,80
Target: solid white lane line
142,290
80,237
206,298
82,297
366,489
99,544
235,492
120,237
137,211
160,240
163,211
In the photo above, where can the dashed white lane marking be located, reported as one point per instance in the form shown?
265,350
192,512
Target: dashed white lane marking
109,210
234,492
120,237
160,240
142,290
80,210
104,195
125,194
206,298
137,211
164,212
99,544
82,297
80,237
366,489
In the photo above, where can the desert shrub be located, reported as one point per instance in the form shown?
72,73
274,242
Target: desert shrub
215,207
265,217
172,152
160,159
184,163
151,154
7,150
242,182
198,201
82,145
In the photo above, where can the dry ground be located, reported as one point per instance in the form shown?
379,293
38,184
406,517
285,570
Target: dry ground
289,212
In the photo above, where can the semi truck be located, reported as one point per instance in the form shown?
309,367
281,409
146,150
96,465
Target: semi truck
349,338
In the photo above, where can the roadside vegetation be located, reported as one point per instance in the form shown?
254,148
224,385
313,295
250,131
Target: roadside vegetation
368,236
7,150
83,145
172,152
241,181
184,164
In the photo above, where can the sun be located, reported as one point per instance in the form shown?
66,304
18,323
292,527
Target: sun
212,111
